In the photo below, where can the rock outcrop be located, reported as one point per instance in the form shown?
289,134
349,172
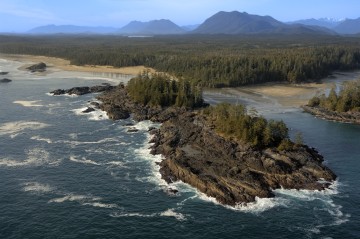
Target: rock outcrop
40,67
231,172
344,117
5,80
118,105
2,73
83,90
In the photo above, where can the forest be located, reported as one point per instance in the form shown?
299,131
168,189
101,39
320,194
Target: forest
347,99
161,90
233,121
204,60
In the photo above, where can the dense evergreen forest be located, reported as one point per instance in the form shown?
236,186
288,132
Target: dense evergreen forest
210,61
160,90
234,121
348,98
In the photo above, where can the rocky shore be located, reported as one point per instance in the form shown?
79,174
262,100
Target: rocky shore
232,172
345,117
40,67
83,90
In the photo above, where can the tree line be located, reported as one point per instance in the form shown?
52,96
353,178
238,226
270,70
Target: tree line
208,61
347,99
233,121
161,90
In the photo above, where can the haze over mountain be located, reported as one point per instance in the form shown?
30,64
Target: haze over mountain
71,29
342,26
349,26
155,27
322,22
243,23
221,23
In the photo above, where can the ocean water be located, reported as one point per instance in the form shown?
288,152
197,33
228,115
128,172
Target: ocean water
64,174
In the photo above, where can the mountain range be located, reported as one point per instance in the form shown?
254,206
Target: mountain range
232,23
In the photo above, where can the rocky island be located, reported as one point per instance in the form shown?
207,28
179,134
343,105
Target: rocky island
40,67
220,150
343,106
5,80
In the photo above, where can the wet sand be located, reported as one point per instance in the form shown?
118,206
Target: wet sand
270,95
279,94
55,64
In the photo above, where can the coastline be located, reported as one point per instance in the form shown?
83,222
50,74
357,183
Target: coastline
266,95
282,94
56,64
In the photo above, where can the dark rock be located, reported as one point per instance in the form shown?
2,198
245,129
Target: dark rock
172,191
88,110
84,90
5,80
129,124
95,104
230,172
2,73
78,90
344,117
58,92
132,130
40,67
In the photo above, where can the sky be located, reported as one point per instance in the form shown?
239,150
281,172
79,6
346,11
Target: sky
23,15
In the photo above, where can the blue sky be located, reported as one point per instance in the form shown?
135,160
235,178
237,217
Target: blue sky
22,15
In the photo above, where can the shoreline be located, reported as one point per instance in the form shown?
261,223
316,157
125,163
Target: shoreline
267,95
55,64
270,95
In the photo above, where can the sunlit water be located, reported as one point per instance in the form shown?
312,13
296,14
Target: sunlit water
64,174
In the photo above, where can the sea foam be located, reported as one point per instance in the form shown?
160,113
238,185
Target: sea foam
34,103
37,187
83,160
35,157
15,128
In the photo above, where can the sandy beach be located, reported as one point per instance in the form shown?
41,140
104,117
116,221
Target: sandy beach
282,94
56,64
265,95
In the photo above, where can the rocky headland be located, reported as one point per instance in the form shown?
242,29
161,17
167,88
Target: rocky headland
343,117
223,168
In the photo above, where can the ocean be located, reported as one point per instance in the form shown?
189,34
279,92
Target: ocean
66,174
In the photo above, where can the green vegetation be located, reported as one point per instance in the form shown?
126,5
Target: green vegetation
160,90
209,61
233,121
348,98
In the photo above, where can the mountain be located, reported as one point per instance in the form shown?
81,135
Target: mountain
155,27
244,23
71,29
237,23
321,22
349,26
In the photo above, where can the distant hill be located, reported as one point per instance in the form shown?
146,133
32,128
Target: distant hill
349,26
155,27
237,23
71,29
321,22
244,23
